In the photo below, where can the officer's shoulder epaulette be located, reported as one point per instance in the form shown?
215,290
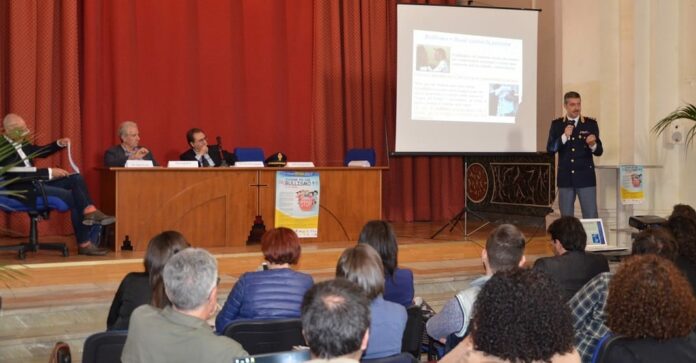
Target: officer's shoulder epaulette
590,118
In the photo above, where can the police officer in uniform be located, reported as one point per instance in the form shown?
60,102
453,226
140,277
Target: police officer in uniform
576,139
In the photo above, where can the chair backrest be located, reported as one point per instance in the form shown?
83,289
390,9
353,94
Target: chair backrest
249,154
413,333
266,336
397,358
104,347
295,356
605,344
360,154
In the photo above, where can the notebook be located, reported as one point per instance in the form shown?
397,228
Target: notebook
596,237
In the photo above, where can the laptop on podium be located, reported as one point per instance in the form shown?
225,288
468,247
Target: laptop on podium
596,237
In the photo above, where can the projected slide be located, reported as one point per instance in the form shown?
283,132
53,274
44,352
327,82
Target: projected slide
460,77
466,80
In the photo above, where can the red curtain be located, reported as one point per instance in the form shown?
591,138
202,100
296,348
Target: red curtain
354,106
39,80
239,69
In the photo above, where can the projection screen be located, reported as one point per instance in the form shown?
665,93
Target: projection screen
466,80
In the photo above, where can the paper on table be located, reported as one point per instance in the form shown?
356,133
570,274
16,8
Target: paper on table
72,162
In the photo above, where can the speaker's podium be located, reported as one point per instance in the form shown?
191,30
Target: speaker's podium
215,207
621,230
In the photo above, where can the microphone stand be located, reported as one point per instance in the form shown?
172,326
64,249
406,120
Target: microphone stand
223,162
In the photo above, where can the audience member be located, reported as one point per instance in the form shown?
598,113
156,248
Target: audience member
361,264
398,282
571,266
588,304
129,149
206,155
179,332
269,294
652,305
140,288
683,210
519,316
336,321
70,188
504,250
684,231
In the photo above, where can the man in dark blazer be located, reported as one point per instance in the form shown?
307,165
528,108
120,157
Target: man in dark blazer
206,155
571,266
576,140
70,188
129,149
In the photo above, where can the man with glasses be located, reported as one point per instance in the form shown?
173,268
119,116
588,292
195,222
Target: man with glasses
206,155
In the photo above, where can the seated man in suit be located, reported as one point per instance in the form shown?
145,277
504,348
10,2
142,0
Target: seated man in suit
571,267
180,332
204,154
128,149
336,321
68,187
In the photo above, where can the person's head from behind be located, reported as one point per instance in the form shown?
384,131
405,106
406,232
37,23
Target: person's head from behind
656,241
650,298
15,127
683,210
567,234
504,249
684,231
190,280
196,139
519,316
129,134
281,246
159,250
361,264
336,319
572,104
380,235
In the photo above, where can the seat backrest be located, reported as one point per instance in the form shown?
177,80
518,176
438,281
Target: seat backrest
266,336
296,356
249,154
604,346
397,358
105,347
360,154
413,333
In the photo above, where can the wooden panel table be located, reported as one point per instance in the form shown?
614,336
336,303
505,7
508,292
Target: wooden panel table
215,207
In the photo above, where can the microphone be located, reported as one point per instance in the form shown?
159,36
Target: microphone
223,162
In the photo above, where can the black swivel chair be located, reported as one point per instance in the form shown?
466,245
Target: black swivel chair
104,347
266,336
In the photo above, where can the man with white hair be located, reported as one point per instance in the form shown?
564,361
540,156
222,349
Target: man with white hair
129,149
70,188
180,332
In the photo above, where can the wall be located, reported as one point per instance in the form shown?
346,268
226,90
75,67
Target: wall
631,60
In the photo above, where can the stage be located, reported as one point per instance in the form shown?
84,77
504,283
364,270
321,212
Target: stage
57,298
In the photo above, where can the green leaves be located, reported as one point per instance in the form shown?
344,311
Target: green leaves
687,112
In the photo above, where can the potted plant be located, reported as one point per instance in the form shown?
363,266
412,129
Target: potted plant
686,112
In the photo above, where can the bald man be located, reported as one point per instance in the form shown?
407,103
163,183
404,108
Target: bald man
70,188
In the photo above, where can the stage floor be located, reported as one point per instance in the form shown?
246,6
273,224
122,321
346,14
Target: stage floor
442,255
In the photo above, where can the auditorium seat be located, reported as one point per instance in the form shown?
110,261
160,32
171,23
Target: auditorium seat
105,347
266,336
249,154
296,356
413,333
360,154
